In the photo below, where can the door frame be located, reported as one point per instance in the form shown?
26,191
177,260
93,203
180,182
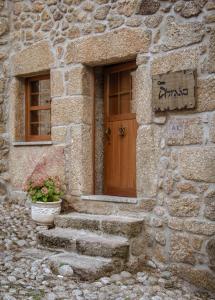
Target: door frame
107,70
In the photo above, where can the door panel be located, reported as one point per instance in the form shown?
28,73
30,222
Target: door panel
121,131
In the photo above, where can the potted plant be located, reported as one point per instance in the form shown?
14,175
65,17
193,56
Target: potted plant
45,194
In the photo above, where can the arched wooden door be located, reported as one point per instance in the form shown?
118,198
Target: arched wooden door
120,132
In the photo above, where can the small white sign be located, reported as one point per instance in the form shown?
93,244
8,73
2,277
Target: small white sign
176,129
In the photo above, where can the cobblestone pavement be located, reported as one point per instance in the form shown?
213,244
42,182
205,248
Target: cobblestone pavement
26,277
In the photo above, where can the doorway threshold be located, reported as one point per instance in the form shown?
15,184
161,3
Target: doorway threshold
107,198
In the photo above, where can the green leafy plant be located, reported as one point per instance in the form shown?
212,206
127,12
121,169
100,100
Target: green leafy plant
44,189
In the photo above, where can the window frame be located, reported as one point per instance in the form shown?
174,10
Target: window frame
28,108
127,66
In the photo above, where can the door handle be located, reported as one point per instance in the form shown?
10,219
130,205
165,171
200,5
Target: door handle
108,133
122,131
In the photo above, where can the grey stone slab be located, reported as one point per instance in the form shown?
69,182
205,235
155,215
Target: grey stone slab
85,242
86,267
112,224
106,198
36,253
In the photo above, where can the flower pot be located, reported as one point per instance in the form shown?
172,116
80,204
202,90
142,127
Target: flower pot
44,212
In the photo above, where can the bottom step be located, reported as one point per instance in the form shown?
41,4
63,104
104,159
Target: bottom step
88,267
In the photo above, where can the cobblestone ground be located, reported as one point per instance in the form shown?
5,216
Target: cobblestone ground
24,277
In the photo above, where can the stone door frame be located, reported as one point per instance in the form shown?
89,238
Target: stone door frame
126,44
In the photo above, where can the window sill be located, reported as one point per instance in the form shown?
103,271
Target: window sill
37,143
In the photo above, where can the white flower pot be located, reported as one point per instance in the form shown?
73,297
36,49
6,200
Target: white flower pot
44,212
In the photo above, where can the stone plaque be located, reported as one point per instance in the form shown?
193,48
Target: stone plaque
175,129
174,90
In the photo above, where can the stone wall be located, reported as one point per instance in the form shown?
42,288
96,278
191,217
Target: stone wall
4,88
175,173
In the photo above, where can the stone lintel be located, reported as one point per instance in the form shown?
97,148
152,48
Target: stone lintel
112,47
35,59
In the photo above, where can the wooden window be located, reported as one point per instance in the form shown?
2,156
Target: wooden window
119,90
38,108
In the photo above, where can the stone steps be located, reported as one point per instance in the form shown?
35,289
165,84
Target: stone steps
109,224
87,267
94,245
84,242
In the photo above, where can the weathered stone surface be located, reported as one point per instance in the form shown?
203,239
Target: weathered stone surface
79,81
160,238
115,21
66,270
145,205
73,32
2,56
1,4
57,83
190,9
187,187
45,16
41,161
2,85
3,26
77,221
211,57
38,7
124,227
212,128
181,250
101,1
101,12
51,2
197,242
76,109
36,58
148,7
210,248
59,134
138,246
210,5
209,211
206,94
191,131
199,277
175,61
84,266
126,7
187,206
115,225
209,19
125,44
99,27
199,227
147,151
143,95
80,157
3,188
153,21
160,119
179,35
198,163
57,15
85,242
88,6
193,226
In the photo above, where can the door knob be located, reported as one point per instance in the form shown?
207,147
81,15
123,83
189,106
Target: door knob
122,131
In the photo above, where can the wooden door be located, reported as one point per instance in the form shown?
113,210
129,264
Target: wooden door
120,132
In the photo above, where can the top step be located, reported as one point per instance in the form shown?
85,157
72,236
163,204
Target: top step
111,224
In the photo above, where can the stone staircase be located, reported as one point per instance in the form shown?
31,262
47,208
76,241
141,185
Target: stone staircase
93,245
